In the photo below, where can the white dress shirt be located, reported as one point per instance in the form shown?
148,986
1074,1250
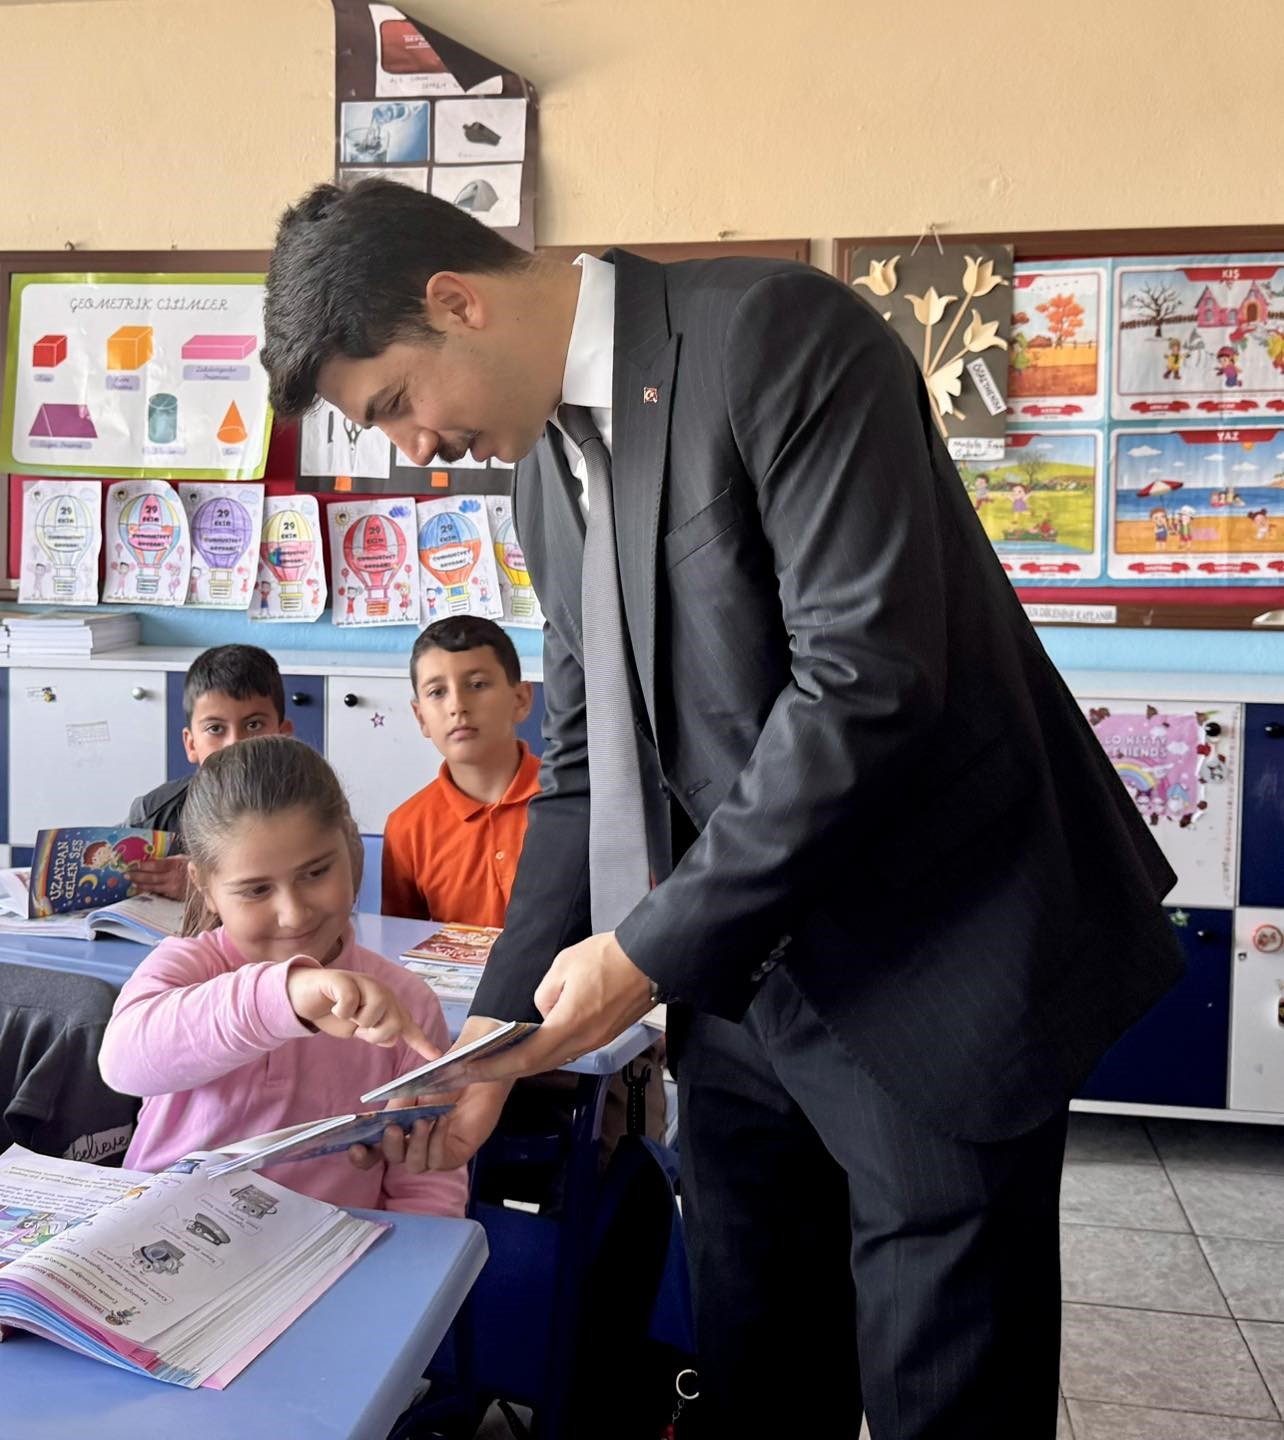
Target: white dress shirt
590,360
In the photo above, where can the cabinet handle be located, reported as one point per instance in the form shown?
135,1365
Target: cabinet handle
350,700
1274,729
1204,936
138,693
1212,729
300,697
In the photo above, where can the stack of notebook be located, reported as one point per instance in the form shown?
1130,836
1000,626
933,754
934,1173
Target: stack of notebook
71,632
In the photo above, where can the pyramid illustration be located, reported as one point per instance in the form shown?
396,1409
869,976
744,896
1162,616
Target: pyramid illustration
66,422
232,431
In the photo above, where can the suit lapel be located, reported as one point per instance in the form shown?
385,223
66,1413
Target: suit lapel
642,398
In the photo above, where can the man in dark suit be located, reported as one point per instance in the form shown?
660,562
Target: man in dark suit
899,903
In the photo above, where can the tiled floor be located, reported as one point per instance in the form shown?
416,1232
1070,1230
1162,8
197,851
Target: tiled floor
1173,1281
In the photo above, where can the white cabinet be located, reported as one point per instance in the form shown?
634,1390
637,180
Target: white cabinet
374,743
82,745
1257,1012
1180,762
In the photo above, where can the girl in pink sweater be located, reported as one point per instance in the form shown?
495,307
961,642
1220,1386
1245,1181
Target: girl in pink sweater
267,1013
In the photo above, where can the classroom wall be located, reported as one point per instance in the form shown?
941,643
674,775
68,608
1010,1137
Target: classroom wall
151,123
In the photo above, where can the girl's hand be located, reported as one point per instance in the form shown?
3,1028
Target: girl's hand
350,1005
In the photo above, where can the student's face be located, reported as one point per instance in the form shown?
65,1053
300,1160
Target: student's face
478,388
283,887
219,720
467,706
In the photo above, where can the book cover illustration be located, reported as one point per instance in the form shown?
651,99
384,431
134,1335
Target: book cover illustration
457,945
87,867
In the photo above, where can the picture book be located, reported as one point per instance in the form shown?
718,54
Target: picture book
448,1072
87,867
146,919
316,1138
183,1276
451,960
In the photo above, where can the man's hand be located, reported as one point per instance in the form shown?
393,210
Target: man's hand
591,993
350,1005
167,876
453,1139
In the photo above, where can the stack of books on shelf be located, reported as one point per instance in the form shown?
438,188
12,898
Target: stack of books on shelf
71,632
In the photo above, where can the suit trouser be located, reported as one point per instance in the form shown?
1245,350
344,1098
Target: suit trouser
794,1159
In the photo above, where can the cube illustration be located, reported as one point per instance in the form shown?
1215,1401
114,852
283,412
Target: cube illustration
48,351
129,348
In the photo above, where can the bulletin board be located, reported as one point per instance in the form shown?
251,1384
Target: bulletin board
105,262
1142,481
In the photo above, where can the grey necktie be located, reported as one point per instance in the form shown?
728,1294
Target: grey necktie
619,873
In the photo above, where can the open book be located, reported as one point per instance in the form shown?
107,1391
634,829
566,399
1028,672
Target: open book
181,1276
317,1137
444,1073
145,918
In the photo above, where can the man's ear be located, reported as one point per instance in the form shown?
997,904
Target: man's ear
453,300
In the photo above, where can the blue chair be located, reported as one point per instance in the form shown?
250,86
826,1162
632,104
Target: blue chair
370,895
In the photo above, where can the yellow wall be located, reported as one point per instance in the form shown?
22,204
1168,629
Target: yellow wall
150,123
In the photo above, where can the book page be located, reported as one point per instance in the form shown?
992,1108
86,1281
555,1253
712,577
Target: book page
41,1197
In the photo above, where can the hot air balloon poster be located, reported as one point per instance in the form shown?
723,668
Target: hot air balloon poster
291,579
521,607
62,536
457,559
373,566
225,522
147,543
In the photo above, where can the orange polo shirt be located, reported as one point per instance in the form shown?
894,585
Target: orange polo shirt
449,857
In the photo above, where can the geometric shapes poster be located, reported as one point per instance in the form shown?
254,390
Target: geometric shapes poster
136,375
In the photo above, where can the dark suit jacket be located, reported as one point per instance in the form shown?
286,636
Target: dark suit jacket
884,782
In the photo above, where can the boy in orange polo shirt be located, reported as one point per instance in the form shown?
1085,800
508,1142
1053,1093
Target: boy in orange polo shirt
451,851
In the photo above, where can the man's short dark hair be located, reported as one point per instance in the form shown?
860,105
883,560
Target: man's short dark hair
457,633
348,274
242,671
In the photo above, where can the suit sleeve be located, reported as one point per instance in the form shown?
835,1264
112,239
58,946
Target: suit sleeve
549,906
833,428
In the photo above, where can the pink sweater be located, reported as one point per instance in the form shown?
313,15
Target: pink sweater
214,1045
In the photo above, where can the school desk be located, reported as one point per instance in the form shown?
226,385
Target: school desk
346,1368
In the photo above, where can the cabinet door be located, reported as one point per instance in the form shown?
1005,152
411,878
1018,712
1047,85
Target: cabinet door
1261,869
82,745
1180,762
304,706
1257,1012
374,744
1176,1053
